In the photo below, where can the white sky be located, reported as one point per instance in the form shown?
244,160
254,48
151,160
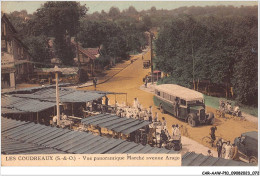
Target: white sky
32,6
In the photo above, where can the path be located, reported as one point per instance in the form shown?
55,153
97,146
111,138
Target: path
111,72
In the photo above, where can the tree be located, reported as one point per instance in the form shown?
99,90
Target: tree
60,19
114,13
132,11
147,23
220,49
38,48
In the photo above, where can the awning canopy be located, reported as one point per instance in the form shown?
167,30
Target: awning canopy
36,100
115,123
194,159
68,141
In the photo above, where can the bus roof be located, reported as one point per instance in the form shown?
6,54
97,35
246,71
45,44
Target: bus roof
179,91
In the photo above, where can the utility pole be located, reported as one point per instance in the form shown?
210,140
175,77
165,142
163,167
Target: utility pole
192,66
57,94
151,37
79,71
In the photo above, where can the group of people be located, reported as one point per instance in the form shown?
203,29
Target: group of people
157,133
136,111
97,105
64,121
225,149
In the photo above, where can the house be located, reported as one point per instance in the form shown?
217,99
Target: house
15,59
87,58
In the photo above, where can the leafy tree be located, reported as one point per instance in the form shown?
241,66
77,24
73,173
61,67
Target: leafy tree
38,48
114,13
220,49
60,19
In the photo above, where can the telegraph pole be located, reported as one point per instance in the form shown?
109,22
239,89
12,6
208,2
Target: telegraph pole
57,94
151,37
79,71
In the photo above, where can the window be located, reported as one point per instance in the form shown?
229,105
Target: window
172,98
183,102
158,93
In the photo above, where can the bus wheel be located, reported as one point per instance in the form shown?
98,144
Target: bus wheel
161,109
191,120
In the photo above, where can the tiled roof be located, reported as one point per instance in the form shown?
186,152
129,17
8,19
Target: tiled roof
84,51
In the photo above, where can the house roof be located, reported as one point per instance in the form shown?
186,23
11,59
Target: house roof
179,91
84,51
11,27
9,24
93,51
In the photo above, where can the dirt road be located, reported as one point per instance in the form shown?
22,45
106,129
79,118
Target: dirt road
129,81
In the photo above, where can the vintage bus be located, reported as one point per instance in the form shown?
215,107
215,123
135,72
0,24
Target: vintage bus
182,103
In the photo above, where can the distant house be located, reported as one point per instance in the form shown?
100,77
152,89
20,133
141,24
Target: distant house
87,58
15,58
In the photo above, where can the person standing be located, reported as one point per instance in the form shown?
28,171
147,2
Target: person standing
95,82
149,112
173,130
136,103
164,123
219,147
212,134
146,81
228,150
177,130
54,121
106,103
155,117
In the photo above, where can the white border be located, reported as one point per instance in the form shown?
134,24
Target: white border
128,170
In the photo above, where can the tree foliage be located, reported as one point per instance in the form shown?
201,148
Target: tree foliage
219,49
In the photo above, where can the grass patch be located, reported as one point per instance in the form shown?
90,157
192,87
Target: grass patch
214,102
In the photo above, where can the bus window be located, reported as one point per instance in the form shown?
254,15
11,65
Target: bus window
183,102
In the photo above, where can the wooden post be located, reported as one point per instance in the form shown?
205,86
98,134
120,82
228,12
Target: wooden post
126,99
115,100
57,98
72,109
151,36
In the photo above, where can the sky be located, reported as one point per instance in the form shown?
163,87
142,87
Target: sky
32,6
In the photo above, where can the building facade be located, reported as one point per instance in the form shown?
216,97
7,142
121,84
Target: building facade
15,58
